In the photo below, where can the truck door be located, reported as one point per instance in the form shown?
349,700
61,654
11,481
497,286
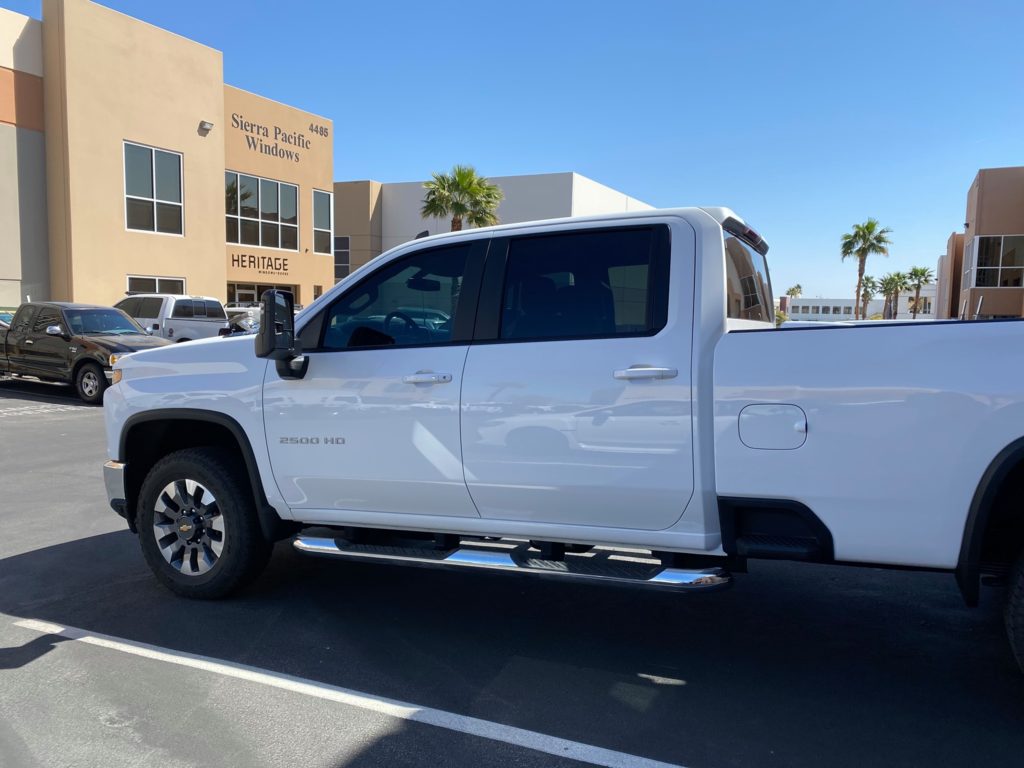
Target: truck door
48,355
374,424
18,335
576,402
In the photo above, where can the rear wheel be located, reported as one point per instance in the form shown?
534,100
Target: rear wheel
1014,611
90,382
197,524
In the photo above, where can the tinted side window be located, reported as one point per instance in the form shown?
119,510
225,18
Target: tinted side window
182,308
215,309
23,318
411,302
129,306
748,290
47,316
593,284
148,308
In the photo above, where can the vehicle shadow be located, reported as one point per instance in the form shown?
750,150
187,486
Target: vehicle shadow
793,664
40,392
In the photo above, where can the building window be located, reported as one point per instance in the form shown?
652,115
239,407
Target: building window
261,212
342,257
999,262
152,190
806,308
148,284
318,291
836,310
815,310
323,204
250,294
847,310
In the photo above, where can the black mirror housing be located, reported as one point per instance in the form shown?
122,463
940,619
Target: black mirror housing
276,337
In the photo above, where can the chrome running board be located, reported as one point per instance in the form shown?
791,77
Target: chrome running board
598,565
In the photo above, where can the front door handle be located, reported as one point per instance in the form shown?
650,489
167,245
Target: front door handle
635,372
29,341
427,377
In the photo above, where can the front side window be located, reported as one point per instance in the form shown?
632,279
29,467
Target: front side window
152,188
748,290
592,284
322,214
261,212
409,303
47,316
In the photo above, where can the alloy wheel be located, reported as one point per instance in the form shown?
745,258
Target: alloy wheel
188,527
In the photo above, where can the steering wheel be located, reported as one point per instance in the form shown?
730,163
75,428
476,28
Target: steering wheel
400,316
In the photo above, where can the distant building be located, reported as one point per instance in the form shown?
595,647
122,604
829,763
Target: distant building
371,217
804,308
981,275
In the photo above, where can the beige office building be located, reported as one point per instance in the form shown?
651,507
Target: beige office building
127,165
981,275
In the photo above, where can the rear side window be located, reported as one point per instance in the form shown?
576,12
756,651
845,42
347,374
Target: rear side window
592,284
748,288
149,308
23,318
131,307
183,308
215,310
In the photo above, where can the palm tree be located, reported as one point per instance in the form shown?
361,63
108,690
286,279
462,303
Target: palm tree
888,286
901,284
462,195
919,277
868,291
795,291
866,239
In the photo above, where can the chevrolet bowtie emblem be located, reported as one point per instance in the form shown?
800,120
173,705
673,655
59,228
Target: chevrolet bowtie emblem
185,527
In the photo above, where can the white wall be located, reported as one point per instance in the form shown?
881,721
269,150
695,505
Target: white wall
527,198
590,198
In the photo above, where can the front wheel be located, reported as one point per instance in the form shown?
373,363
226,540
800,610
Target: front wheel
197,524
90,382
1014,611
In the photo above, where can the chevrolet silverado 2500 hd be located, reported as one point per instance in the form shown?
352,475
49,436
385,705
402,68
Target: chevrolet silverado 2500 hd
603,398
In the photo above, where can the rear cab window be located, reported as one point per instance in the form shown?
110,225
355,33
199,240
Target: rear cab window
748,286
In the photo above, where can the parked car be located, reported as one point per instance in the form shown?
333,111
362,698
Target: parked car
70,343
178,318
613,381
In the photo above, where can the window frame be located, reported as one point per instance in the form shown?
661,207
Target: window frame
154,200
465,311
129,292
312,219
260,222
492,296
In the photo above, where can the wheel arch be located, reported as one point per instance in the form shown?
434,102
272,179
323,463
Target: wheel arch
149,436
991,511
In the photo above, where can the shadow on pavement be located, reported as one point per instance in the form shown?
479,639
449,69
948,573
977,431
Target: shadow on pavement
797,665
40,392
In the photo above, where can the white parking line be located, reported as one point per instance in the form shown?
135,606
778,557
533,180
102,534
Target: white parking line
404,711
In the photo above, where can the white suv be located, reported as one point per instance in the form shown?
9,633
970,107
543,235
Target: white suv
178,318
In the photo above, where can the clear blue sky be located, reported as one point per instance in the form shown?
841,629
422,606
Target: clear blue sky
805,117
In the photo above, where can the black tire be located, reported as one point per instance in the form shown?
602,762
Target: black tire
1014,611
90,383
244,550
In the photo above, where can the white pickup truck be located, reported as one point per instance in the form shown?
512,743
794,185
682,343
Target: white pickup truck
602,398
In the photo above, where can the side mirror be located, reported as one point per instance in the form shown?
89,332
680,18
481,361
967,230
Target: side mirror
54,330
276,338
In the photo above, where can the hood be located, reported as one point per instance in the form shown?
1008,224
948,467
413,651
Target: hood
125,343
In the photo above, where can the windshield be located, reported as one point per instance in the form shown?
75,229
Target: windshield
95,321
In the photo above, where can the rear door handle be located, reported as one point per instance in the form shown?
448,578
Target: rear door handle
427,377
645,372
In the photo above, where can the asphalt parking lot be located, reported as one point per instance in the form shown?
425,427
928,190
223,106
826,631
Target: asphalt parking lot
312,665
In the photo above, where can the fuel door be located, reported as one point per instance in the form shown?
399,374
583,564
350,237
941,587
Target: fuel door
773,426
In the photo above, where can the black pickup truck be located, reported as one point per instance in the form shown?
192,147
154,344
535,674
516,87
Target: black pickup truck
70,343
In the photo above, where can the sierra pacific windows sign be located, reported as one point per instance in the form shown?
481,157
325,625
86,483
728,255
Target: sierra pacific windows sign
275,141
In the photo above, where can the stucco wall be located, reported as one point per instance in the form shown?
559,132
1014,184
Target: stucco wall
111,78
